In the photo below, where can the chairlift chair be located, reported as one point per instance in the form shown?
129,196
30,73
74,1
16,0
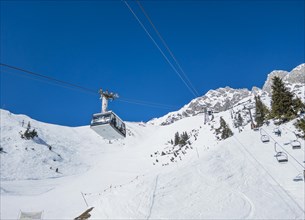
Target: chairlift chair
296,144
281,157
299,177
275,148
107,124
277,131
265,138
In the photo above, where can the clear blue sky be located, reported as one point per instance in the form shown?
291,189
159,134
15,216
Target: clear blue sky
100,44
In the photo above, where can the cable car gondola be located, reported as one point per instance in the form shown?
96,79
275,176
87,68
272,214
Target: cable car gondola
107,124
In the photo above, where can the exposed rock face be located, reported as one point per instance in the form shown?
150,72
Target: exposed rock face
224,98
217,100
296,76
268,82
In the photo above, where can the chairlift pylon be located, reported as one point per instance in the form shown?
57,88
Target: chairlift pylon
107,124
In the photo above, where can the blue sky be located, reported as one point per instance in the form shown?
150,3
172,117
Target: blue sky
100,44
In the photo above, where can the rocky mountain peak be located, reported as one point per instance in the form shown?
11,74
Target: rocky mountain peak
222,99
297,75
279,73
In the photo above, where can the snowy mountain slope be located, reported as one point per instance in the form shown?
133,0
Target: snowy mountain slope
235,178
224,98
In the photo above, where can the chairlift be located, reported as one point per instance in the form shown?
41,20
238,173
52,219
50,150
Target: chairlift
107,124
265,138
277,131
299,177
275,149
281,157
295,144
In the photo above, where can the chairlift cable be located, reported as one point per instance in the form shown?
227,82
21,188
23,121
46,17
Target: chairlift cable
40,77
166,46
262,166
155,43
284,149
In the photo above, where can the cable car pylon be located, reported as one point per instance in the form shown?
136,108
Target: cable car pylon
107,124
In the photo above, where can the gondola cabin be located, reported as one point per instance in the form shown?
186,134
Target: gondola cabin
108,125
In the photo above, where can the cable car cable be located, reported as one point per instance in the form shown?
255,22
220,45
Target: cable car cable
144,103
65,84
155,43
49,78
166,46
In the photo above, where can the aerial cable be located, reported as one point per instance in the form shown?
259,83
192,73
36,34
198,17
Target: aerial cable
265,169
144,103
155,43
284,149
65,84
44,80
49,78
166,46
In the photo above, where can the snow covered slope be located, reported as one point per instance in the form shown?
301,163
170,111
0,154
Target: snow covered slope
237,178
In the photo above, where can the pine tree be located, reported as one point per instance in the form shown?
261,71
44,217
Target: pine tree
281,101
29,126
261,111
177,138
224,129
298,105
183,138
240,120
300,124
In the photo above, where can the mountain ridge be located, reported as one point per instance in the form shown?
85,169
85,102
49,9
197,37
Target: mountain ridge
224,98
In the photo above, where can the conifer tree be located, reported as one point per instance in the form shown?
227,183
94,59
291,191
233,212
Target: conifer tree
224,129
183,139
177,138
281,100
298,105
261,111
300,124
240,120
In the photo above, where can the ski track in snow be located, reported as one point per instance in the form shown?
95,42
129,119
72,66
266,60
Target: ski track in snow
153,198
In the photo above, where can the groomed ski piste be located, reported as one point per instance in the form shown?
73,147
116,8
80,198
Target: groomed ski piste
236,178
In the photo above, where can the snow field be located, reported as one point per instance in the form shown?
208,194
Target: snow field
237,178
